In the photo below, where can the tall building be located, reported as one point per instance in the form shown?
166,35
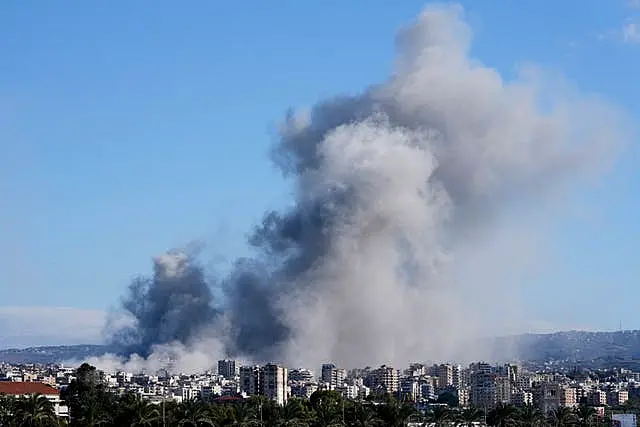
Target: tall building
503,389
410,389
482,393
274,382
250,380
551,395
445,375
269,380
460,379
385,378
228,369
333,376
300,375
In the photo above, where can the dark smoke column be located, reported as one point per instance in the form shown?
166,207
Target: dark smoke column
173,305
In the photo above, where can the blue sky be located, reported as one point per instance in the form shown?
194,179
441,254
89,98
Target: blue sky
128,128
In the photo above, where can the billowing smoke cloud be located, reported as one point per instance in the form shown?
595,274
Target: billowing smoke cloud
172,306
400,193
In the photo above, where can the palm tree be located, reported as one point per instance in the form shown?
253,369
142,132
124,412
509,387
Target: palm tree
142,413
244,415
7,408
193,413
327,406
585,415
530,416
470,416
394,413
561,417
362,416
502,415
34,411
292,414
438,416
93,414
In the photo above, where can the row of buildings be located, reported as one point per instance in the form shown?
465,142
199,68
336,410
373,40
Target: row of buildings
480,384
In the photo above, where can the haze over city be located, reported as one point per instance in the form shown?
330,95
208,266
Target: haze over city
451,166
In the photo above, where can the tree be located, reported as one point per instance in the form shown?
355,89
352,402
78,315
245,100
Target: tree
440,416
293,414
585,415
530,416
361,415
502,415
448,397
561,417
394,413
139,412
327,406
470,416
34,411
7,408
88,401
93,414
244,415
193,413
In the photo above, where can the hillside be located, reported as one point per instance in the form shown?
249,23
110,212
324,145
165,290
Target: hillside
568,346
51,354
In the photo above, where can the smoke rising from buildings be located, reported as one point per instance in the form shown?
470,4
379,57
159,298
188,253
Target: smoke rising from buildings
398,192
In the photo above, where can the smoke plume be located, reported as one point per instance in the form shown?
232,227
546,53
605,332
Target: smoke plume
402,195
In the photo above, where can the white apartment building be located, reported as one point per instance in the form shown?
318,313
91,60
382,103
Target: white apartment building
269,380
23,389
274,381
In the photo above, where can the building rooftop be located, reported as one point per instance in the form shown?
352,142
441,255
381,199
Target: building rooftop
22,388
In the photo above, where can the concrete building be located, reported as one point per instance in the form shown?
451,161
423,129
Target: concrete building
385,378
301,375
463,397
23,389
482,392
569,397
617,398
445,375
274,381
228,369
333,376
522,398
269,380
410,389
503,389
250,380
597,398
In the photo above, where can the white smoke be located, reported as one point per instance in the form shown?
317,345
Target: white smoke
424,184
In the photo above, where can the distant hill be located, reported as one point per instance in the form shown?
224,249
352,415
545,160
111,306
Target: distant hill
52,354
566,346
574,345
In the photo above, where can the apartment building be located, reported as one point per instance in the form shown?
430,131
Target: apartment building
269,380
333,376
228,369
385,378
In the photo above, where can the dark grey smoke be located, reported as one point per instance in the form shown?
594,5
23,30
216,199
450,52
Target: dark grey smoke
392,188
173,305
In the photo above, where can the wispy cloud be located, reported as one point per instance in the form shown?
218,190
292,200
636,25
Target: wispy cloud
631,32
31,326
